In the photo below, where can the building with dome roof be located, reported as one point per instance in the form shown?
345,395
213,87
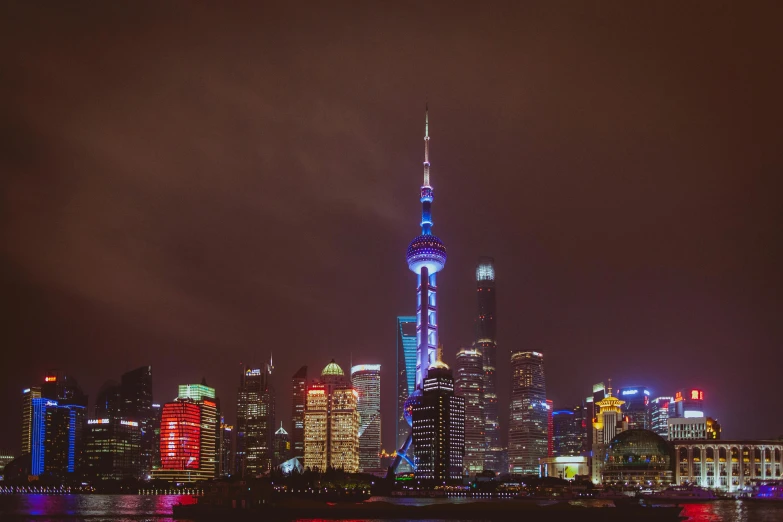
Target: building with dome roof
638,457
331,422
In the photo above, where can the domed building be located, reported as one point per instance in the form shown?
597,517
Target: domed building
331,427
639,457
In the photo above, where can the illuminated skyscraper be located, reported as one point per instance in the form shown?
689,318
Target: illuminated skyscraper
637,406
281,446
299,403
205,398
28,395
225,453
527,429
550,429
332,422
255,421
469,384
486,341
568,431
366,380
439,428
56,438
659,415
112,450
426,256
406,371
180,443
136,405
608,422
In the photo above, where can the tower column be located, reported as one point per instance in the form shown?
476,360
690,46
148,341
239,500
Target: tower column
424,327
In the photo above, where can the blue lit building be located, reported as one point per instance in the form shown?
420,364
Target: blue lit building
56,437
636,407
426,256
406,370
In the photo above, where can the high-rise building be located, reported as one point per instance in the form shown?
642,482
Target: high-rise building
550,429
281,446
687,404
659,415
56,440
136,405
366,380
157,411
469,384
486,341
607,424
527,430
28,395
439,428
225,453
206,399
426,256
637,406
332,422
299,403
568,429
181,443
406,372
112,449
108,402
255,421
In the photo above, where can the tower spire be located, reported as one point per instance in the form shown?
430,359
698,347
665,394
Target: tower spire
426,144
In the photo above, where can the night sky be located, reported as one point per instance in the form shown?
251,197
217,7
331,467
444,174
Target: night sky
194,187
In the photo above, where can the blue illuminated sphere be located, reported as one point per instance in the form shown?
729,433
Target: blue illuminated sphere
407,409
426,251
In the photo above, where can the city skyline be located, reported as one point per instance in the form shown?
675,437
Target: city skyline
194,228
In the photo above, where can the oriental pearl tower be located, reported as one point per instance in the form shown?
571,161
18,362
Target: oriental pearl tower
426,257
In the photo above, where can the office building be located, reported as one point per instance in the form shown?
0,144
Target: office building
469,384
426,256
281,446
181,443
255,421
687,404
486,342
112,449
332,422
108,402
550,429
438,426
693,428
64,389
568,425
366,380
57,436
636,408
136,405
225,449
299,403
527,429
659,415
28,395
406,379
607,424
206,399
591,413
157,412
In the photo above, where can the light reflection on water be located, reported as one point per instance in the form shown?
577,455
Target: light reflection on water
121,508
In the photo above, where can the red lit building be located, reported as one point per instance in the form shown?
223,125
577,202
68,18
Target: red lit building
181,440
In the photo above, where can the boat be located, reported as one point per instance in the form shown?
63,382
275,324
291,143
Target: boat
766,491
682,495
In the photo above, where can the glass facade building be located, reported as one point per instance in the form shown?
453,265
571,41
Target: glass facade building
255,421
486,342
527,430
299,403
112,449
637,406
406,370
366,380
569,431
469,384
659,415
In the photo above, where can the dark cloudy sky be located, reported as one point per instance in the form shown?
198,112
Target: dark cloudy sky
194,187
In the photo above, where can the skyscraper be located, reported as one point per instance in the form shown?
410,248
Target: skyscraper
486,341
225,453
299,403
366,380
609,421
550,429
28,395
469,384
636,408
426,256
56,437
332,422
406,371
281,446
255,421
659,415
112,450
206,399
136,405
439,428
527,430
181,443
568,427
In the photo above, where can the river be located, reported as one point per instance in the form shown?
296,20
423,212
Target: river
120,508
